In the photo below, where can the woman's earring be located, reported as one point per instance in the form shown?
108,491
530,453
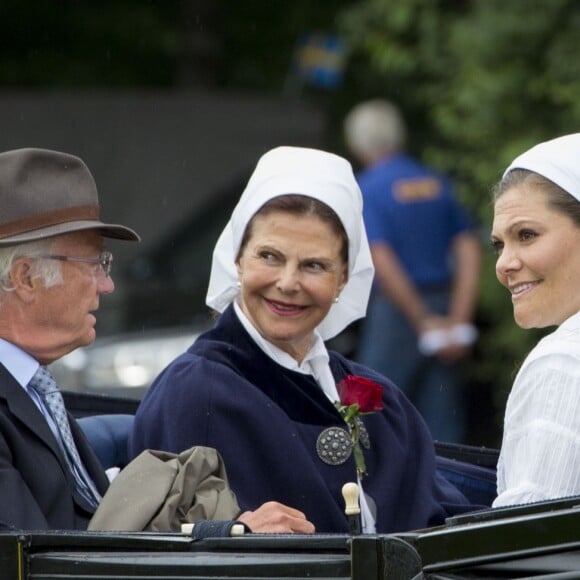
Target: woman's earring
336,300
239,284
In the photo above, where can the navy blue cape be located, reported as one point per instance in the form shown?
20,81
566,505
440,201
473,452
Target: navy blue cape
224,392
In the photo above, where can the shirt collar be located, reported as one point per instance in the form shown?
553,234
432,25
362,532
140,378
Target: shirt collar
317,350
315,363
17,362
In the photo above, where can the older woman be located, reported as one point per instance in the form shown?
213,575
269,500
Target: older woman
536,232
291,269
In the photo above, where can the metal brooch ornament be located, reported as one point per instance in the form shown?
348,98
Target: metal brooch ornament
334,445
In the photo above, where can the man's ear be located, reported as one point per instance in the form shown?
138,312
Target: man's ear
23,283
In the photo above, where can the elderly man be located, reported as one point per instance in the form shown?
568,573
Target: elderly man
53,270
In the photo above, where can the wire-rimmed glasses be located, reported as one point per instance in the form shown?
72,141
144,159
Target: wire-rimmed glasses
104,262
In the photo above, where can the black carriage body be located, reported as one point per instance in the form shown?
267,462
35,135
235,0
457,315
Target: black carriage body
535,541
542,540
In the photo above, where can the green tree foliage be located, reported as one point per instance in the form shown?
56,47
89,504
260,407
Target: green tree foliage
479,82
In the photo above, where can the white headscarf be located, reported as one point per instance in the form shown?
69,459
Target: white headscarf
557,160
318,174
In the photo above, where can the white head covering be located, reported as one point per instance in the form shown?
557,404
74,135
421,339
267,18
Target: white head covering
318,174
557,160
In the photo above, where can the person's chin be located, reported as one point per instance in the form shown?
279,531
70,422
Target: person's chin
527,320
522,321
88,337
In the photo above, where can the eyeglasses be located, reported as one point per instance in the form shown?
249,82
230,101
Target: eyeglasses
104,262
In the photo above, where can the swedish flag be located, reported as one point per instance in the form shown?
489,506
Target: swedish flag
320,59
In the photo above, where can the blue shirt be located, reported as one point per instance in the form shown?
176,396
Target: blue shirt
412,208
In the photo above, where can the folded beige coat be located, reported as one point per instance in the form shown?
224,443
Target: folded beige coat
159,491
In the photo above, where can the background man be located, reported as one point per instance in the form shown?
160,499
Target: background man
427,262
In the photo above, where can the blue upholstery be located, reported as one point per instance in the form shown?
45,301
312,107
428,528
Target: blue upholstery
477,483
108,436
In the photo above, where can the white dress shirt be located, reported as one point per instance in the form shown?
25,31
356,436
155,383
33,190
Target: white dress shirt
540,453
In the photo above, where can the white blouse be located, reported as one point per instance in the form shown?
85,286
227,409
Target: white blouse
540,452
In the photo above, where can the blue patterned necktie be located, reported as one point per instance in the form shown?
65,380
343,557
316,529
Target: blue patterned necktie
45,385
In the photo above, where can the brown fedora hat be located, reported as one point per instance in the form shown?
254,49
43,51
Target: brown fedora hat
46,193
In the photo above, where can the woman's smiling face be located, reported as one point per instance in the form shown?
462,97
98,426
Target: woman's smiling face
538,260
291,271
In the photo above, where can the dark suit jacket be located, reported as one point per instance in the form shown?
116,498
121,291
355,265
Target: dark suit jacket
37,490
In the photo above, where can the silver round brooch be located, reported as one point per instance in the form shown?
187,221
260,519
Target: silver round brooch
334,445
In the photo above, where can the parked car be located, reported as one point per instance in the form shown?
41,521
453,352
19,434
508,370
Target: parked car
123,364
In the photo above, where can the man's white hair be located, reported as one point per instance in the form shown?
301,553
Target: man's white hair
49,271
375,127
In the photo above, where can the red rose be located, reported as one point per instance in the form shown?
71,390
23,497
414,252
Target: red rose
367,394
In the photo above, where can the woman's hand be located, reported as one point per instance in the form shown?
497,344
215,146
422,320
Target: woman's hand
276,518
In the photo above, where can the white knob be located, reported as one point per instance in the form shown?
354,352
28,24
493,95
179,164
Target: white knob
350,493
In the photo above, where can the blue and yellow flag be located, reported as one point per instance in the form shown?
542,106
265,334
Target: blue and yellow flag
320,59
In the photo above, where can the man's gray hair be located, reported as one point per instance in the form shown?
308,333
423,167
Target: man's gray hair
49,271
375,127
